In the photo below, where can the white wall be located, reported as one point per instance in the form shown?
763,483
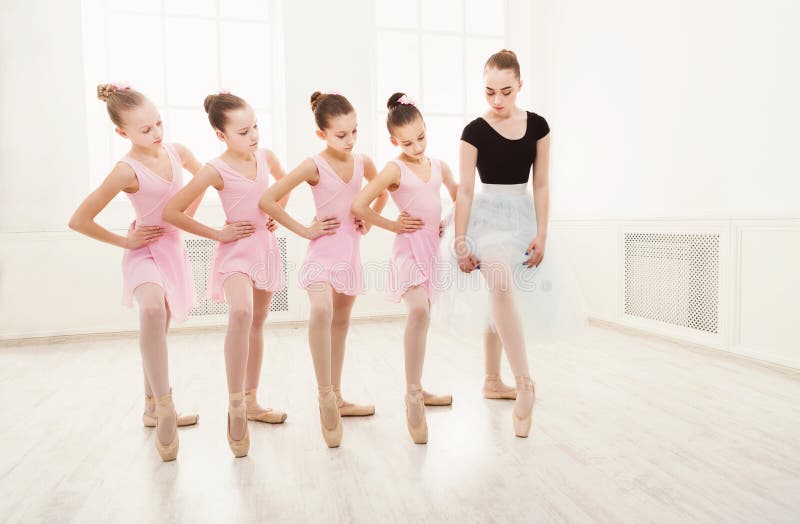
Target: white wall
670,108
678,116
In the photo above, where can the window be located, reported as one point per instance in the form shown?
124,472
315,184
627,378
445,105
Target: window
435,52
177,52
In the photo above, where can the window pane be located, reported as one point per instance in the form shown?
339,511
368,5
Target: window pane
140,6
191,7
245,9
398,65
443,74
486,17
386,151
444,133
126,49
265,133
478,51
191,61
246,61
391,13
441,15
190,127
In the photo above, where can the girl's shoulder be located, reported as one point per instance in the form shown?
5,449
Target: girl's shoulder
537,125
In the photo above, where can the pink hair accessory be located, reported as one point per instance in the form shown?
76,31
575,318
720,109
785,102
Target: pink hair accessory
121,85
333,93
406,100
223,91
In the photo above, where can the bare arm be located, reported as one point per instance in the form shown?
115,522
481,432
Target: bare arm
449,182
467,161
192,165
175,212
277,172
270,202
372,192
370,173
541,201
121,178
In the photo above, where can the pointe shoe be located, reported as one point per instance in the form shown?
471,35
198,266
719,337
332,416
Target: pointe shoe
333,436
348,409
522,425
436,400
240,448
149,421
259,414
165,408
419,433
493,388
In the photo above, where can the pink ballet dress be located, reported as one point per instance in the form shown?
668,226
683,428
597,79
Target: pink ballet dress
257,256
336,258
415,255
164,262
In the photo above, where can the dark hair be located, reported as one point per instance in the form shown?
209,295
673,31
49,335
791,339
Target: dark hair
218,105
327,105
400,114
119,99
503,59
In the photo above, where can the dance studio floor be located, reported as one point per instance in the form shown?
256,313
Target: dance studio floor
626,429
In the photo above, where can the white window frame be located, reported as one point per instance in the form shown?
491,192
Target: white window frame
95,17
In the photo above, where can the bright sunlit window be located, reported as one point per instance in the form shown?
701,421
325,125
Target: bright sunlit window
435,52
176,52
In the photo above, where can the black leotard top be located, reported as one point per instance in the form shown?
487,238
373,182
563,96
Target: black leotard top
504,161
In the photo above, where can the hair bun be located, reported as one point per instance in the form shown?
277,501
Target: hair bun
105,90
509,51
394,100
315,98
208,101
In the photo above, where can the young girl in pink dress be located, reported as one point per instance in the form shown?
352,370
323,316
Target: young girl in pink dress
331,271
414,181
246,269
155,267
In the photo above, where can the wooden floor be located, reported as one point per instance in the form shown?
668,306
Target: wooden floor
626,429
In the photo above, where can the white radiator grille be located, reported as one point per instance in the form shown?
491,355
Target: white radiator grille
673,278
201,252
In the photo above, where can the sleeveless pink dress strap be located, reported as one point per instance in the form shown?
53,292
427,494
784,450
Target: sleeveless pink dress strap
257,256
336,259
415,255
164,262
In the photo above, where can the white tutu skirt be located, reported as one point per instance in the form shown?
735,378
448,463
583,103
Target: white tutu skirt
502,224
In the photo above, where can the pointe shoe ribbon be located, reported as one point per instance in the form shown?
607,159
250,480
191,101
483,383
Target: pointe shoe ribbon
327,401
259,414
419,433
495,389
149,421
522,424
165,408
240,448
348,409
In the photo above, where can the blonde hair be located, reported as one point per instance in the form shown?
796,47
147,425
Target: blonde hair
118,100
503,59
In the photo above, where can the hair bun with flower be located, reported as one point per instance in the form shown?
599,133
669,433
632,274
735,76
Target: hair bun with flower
406,100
